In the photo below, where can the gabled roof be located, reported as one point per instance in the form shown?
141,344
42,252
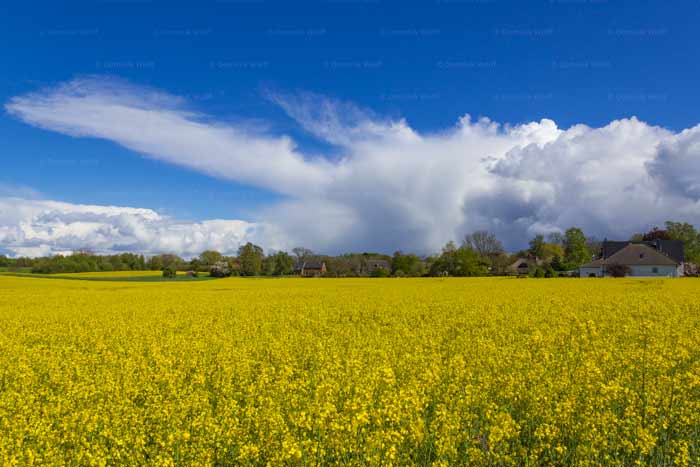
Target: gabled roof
312,265
594,264
671,248
378,263
635,254
520,263
524,263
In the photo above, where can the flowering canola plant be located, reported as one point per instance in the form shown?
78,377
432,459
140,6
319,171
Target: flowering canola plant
424,372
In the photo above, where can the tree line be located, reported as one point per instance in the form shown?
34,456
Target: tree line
479,253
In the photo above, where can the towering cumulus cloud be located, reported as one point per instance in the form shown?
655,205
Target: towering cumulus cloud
393,187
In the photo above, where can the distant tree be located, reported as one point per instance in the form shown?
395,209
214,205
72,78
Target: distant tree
350,264
593,245
656,234
556,238
549,251
302,254
575,251
117,264
463,261
220,269
284,264
250,257
23,262
210,257
233,264
172,260
522,254
406,264
557,263
278,264
538,272
484,243
380,272
4,261
537,246
155,263
267,266
689,236
158,262
170,271
196,265
341,266
446,263
469,263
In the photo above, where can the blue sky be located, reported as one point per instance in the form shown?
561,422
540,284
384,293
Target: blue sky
248,64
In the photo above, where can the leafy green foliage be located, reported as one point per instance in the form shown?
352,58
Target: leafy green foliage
690,237
460,262
250,257
576,252
170,271
537,246
407,265
87,262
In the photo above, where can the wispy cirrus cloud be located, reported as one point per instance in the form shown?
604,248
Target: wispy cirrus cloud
159,126
393,186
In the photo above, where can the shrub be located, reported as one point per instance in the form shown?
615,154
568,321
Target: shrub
380,272
220,269
538,273
618,270
170,271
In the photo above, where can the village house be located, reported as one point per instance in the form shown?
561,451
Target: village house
657,258
371,265
311,269
521,267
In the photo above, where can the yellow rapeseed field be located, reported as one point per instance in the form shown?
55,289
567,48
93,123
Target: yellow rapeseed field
474,372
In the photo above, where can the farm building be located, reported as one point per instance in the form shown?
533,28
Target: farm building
371,265
659,258
311,269
522,266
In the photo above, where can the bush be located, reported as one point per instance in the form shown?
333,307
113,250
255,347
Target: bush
538,273
550,272
220,269
618,270
170,272
380,272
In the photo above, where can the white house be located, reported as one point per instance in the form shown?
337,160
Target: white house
642,259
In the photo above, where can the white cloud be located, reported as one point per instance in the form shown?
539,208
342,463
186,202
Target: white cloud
159,126
677,165
39,227
340,123
393,187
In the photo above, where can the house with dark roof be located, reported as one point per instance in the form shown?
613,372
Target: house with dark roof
522,266
373,264
658,258
310,269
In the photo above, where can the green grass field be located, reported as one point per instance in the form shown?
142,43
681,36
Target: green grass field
123,276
